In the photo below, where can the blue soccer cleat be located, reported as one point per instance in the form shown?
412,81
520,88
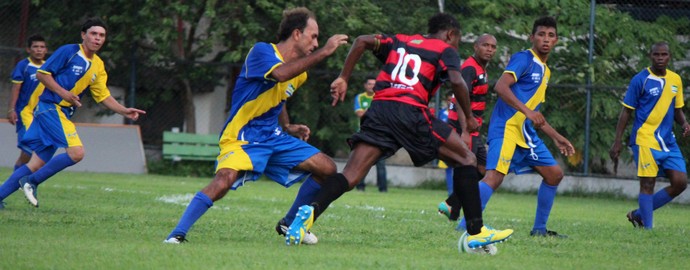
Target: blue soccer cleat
300,226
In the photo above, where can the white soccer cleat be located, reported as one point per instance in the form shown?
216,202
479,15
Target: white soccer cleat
178,239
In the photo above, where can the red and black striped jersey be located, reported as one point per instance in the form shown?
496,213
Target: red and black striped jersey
476,79
413,67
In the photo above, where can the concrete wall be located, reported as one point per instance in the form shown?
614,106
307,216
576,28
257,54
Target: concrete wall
108,148
407,176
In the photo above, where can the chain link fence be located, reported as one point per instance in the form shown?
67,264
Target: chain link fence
159,57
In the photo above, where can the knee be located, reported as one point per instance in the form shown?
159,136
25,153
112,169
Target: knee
678,185
647,185
76,154
554,179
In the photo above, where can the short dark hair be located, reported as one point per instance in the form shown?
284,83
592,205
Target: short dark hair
442,21
369,77
34,38
661,43
546,21
91,22
295,18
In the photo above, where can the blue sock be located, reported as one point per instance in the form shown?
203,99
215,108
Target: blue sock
449,180
55,165
661,198
306,194
196,208
12,183
485,192
646,210
545,198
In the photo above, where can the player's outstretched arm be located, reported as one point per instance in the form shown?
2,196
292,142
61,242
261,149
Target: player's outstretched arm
502,88
563,144
113,105
679,116
293,68
623,119
359,46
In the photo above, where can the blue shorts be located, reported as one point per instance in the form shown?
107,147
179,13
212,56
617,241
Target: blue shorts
652,163
51,127
506,156
21,130
276,157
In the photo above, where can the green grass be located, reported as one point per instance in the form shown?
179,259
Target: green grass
111,221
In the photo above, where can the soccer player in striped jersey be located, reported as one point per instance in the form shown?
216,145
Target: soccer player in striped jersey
513,142
474,73
656,97
413,68
66,76
258,137
22,103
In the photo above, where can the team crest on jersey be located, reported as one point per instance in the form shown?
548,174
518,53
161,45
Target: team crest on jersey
674,89
78,70
536,77
93,78
289,90
654,91
417,41
32,77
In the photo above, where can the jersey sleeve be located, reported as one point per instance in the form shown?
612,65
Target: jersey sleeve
680,102
358,105
450,59
468,74
18,72
261,60
56,61
632,95
99,88
383,46
518,65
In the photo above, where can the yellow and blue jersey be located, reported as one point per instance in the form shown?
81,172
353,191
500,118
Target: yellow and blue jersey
75,72
258,99
654,99
25,74
531,78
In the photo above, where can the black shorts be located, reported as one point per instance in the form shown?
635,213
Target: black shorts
478,146
479,149
391,125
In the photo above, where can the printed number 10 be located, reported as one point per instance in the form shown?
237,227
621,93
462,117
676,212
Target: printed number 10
399,72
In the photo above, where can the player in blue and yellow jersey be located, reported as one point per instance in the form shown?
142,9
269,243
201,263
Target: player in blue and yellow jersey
513,142
258,137
413,67
656,96
23,99
66,76
22,102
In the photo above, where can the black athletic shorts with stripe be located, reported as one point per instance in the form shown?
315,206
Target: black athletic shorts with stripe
478,146
391,125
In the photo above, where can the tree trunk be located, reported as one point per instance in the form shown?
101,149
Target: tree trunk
189,109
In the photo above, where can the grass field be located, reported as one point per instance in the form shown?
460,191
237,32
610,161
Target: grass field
111,221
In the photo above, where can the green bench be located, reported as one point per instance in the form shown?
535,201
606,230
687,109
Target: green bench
188,146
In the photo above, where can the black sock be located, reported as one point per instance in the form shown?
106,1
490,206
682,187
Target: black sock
455,206
465,185
334,186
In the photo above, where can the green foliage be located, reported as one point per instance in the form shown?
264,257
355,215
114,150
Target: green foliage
118,221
